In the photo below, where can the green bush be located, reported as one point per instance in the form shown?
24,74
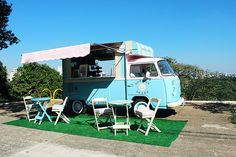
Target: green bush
34,76
4,85
199,84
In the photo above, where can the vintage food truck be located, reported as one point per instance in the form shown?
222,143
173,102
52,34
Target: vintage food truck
117,71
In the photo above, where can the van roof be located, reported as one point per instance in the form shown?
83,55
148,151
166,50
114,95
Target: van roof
143,60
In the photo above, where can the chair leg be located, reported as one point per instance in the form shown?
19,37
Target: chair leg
150,125
156,128
58,116
140,125
62,117
65,118
96,121
147,131
27,115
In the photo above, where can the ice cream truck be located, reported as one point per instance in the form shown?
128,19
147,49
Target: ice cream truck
124,70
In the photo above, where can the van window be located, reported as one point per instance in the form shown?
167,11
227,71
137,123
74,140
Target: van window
139,70
90,66
165,68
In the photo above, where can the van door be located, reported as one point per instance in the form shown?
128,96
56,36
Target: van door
172,82
140,86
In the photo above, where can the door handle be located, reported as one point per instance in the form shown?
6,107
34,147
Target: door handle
130,85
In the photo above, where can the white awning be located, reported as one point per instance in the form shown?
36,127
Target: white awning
128,47
58,53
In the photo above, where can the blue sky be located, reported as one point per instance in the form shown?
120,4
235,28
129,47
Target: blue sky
197,32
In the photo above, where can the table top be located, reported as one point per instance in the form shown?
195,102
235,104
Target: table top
120,102
41,99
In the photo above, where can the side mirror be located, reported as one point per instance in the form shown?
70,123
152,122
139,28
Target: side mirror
148,74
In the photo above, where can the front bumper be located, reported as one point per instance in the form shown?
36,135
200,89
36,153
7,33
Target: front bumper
177,103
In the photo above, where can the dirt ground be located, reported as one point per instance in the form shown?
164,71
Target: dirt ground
207,133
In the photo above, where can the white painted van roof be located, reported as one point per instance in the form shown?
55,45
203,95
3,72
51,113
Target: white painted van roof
145,60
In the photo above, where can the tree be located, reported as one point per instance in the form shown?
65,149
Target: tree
7,37
217,87
191,77
34,76
198,84
4,86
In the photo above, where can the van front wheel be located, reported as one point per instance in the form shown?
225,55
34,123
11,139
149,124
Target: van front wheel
137,103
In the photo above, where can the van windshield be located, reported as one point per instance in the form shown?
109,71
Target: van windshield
165,68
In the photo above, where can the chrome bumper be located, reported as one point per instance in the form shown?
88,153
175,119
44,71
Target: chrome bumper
177,103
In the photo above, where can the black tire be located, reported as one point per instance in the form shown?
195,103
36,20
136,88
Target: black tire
72,110
68,110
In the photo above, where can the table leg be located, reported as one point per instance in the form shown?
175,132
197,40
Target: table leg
114,115
45,113
127,118
42,112
39,112
35,119
121,125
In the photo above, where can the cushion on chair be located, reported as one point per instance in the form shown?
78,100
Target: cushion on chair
57,107
144,112
99,101
102,111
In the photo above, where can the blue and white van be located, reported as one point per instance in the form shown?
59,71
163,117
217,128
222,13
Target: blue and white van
135,75
118,71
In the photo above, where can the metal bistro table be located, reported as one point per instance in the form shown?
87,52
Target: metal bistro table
42,109
120,125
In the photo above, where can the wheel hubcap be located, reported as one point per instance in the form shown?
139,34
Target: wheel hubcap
77,107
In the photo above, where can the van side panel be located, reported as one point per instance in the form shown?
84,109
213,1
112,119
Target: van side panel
92,88
153,87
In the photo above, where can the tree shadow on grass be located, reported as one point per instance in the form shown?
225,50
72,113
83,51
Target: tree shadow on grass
215,107
12,107
161,113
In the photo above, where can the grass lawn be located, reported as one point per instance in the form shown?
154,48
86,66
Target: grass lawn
83,125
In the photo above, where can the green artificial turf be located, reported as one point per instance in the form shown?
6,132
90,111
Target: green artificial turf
83,125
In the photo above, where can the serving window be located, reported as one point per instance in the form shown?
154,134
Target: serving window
96,64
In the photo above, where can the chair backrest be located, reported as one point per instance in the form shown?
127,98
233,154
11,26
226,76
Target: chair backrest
99,102
151,100
64,102
154,100
26,99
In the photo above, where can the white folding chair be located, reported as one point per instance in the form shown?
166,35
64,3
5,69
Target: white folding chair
28,108
58,108
101,108
148,115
